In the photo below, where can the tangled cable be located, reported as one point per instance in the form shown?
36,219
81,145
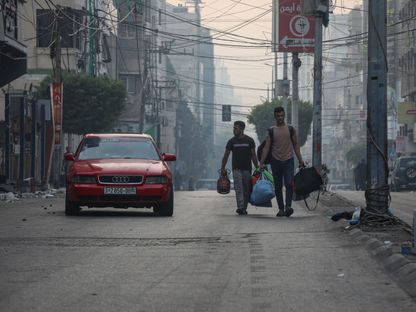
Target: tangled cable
377,203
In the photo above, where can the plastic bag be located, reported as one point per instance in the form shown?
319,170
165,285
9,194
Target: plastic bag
267,174
355,216
263,191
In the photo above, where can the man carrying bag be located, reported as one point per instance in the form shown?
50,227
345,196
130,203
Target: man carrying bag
283,143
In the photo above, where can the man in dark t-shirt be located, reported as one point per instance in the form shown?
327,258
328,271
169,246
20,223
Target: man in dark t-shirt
243,149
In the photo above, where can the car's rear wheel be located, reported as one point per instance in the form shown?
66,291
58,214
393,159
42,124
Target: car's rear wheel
166,209
71,208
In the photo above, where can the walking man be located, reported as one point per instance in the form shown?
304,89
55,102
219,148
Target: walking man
243,148
283,144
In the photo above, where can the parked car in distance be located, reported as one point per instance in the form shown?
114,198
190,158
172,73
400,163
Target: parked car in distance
403,175
119,170
339,187
209,184
206,184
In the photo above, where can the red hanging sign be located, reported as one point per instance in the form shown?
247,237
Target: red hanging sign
296,33
57,90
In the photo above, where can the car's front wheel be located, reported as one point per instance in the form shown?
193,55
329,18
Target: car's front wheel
166,209
71,208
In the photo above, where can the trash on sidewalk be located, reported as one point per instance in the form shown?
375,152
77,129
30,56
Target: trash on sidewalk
10,197
352,216
406,248
355,219
347,215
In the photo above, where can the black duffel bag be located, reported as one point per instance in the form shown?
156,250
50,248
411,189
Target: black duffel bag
306,181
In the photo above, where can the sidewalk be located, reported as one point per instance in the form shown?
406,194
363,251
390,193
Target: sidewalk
383,243
11,196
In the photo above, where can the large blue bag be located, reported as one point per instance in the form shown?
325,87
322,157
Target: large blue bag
263,192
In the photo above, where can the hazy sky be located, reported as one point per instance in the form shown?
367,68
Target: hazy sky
253,19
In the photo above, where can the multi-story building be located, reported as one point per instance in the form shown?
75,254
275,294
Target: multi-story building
13,64
83,48
406,110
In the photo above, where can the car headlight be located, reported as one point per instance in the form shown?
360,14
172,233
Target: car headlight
157,180
84,179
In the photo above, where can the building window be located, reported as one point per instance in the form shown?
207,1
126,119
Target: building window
69,25
130,81
127,29
147,12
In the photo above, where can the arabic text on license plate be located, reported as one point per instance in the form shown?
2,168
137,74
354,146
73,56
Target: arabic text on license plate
120,190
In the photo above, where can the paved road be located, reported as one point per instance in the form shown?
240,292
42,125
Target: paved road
402,203
205,258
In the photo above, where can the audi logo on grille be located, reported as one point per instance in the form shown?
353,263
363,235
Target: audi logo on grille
120,179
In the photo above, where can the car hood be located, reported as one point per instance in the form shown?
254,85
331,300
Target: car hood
119,166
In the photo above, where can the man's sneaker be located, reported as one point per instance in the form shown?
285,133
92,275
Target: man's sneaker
240,211
281,213
289,211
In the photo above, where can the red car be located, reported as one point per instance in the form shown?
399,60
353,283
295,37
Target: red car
119,170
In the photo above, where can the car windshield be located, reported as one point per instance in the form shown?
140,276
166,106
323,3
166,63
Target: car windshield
107,148
408,162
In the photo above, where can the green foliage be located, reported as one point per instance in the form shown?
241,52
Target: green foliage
356,153
193,148
90,104
262,117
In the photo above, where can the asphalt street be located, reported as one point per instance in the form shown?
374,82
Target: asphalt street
204,258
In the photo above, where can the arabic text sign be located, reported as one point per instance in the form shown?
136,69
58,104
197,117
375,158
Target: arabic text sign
296,33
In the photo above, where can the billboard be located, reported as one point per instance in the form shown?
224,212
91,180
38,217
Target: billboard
292,32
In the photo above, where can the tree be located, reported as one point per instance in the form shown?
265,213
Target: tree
90,104
193,148
356,153
262,117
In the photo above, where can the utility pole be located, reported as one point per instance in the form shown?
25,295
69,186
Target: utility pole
143,74
274,43
33,148
377,167
296,63
55,149
91,41
198,69
22,142
317,94
7,136
285,82
275,75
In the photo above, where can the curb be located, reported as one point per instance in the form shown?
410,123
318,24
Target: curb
400,268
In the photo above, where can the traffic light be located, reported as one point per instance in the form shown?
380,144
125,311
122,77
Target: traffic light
226,113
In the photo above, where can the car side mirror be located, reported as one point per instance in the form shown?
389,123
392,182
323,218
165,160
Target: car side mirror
69,157
168,157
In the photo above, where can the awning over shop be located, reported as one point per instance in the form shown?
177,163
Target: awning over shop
13,60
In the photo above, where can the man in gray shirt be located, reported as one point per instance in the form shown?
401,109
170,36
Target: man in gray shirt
283,146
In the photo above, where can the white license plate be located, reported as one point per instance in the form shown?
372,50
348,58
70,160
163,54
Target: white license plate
120,190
